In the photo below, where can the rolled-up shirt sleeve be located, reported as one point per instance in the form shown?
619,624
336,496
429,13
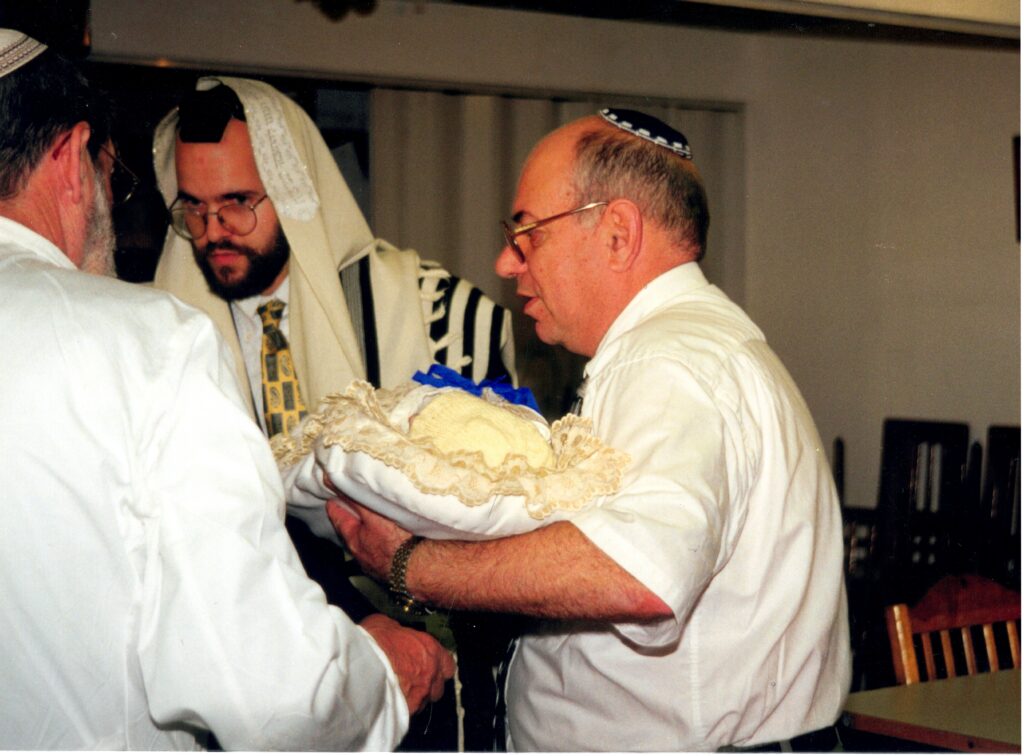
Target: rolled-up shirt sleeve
671,524
233,636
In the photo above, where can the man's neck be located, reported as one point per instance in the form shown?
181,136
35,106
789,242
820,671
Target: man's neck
279,291
278,282
42,217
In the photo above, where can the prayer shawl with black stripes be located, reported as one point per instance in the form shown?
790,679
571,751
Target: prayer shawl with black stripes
466,331
392,313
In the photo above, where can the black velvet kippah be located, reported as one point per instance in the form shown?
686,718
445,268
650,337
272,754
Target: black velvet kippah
649,128
203,115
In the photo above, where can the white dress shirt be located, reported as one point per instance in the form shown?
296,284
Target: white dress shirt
150,590
729,514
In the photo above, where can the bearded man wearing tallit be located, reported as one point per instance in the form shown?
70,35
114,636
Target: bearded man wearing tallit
261,214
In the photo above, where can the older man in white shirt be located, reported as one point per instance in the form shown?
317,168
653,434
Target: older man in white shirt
151,592
702,606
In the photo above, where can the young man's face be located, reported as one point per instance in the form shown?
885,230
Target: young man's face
212,175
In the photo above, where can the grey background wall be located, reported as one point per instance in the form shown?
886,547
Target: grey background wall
878,248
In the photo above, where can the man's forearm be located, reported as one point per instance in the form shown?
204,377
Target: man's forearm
554,572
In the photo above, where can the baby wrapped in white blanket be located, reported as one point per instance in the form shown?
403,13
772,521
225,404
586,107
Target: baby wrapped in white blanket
444,463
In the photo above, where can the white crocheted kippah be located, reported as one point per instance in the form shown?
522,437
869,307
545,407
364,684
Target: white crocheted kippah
17,49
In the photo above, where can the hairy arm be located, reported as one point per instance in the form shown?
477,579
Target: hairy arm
553,572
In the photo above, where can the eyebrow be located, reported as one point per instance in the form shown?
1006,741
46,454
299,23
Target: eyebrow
237,196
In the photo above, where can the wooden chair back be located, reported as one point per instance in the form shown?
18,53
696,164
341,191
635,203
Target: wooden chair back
960,612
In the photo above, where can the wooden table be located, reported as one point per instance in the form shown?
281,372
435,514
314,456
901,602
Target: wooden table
971,713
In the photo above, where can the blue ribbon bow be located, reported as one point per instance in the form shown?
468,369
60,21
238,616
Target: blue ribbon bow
444,377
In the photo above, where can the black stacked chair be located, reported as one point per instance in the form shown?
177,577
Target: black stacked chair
923,506
913,537
940,512
998,522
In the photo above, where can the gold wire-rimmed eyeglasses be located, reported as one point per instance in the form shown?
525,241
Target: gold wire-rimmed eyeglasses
511,232
237,217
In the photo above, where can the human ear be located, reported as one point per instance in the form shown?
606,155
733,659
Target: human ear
73,164
624,229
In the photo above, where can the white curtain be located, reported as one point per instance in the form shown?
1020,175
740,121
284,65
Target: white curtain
443,171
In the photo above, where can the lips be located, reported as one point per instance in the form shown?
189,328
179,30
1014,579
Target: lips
223,256
529,304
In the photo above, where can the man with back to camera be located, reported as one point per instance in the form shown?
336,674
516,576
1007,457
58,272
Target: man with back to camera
267,234
151,593
703,605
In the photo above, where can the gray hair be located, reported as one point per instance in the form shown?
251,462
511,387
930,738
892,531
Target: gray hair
667,188
39,102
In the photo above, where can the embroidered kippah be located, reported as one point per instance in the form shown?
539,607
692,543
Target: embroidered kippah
17,49
649,128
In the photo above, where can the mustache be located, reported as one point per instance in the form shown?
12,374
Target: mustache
225,244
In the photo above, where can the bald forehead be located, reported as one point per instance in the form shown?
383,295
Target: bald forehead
555,154
565,138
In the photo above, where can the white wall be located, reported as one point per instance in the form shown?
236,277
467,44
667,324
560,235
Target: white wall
997,17
880,252
882,258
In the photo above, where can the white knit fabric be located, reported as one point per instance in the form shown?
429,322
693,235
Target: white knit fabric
17,49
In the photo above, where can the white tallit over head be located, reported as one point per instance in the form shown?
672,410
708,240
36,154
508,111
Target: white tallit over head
326,232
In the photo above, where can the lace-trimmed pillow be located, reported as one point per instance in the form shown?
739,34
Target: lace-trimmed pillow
362,439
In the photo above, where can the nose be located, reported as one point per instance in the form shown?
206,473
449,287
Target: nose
215,230
508,264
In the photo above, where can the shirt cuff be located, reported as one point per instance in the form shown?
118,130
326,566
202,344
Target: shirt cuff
394,689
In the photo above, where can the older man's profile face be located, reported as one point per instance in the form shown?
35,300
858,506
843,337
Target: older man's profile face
212,175
560,278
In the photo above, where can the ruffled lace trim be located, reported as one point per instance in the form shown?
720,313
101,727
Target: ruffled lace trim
376,423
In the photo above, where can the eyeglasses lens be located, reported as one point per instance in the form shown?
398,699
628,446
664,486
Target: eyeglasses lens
194,224
237,219
187,224
510,240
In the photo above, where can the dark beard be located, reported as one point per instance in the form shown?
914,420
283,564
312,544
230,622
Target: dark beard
264,267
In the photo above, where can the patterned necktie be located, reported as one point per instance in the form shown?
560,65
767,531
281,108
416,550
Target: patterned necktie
282,404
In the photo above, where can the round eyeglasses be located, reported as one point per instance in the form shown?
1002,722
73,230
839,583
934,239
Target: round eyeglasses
239,218
511,232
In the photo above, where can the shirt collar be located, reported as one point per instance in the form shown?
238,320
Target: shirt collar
28,239
248,305
673,283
